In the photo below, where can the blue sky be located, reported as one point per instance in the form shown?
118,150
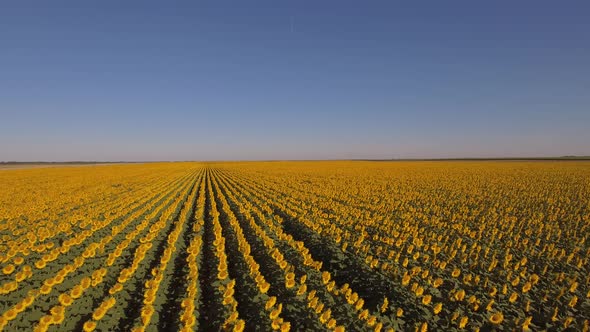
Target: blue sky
196,80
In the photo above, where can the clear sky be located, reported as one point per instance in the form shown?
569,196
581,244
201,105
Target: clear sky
204,80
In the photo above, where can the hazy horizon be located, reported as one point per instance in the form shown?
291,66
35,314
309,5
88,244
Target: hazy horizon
267,80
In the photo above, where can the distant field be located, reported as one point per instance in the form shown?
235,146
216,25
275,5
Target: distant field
301,246
8,166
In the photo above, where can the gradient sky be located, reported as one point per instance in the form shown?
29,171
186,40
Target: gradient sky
196,80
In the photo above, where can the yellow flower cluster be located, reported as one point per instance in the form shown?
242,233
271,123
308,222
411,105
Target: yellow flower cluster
187,317
77,239
152,285
350,298
478,225
476,244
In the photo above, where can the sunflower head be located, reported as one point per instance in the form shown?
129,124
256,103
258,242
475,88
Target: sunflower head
89,326
400,312
437,308
497,318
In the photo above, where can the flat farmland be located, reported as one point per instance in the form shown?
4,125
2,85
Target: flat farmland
300,246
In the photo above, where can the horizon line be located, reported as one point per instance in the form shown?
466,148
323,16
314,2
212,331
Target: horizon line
575,157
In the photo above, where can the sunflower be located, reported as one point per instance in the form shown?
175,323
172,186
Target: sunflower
232,318
527,322
285,327
46,320
516,281
20,276
10,314
49,282
330,286
190,321
313,303
8,269
19,307
497,318
184,317
400,312
467,278
270,302
186,302
264,288
57,310
275,313
325,317
437,282
222,275
573,301
359,304
456,273
513,297
437,308
331,323
45,289
419,291
289,283
385,305
319,308
240,325
59,279
526,287
149,299
527,306
460,295
116,288
302,289
406,279
58,319
89,326
424,327
426,299
378,327
146,314
364,314
493,291
463,322
276,323
28,300
40,264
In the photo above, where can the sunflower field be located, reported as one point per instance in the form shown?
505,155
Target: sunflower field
297,246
